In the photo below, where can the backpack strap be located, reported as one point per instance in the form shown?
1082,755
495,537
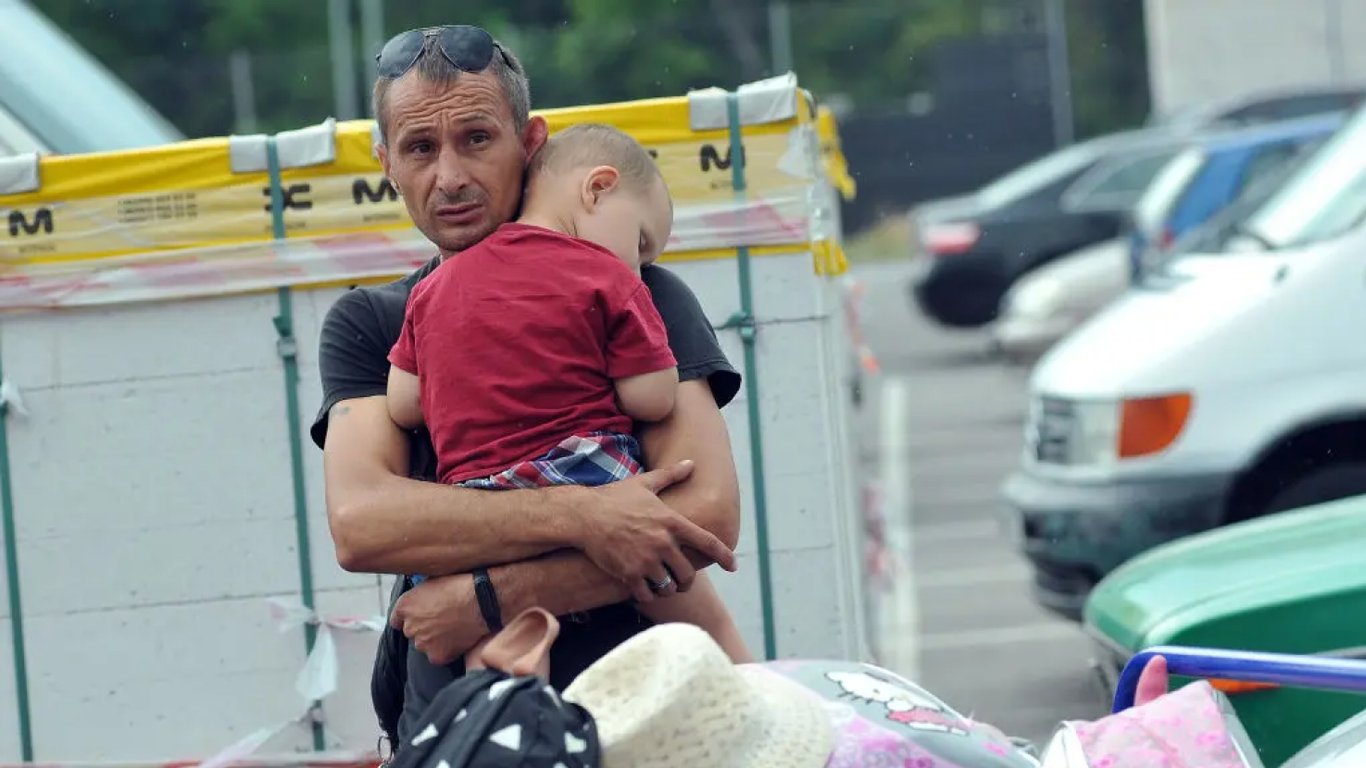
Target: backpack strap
389,677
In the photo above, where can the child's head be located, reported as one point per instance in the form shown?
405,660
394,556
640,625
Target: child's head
602,186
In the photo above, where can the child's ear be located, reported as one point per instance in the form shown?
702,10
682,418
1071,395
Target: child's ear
598,182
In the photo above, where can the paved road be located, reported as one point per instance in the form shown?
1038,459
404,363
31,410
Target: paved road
940,431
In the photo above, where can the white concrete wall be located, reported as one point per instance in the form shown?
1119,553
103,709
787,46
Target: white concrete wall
1203,50
154,515
812,573
154,510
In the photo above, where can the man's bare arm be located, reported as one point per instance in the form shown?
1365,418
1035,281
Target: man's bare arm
696,430
384,522
441,615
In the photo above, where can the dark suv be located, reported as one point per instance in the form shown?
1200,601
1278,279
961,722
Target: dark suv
970,250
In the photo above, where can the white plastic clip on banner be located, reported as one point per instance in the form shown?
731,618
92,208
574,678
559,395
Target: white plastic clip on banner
314,145
772,100
19,174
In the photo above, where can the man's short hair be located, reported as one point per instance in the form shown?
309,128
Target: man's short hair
434,67
594,144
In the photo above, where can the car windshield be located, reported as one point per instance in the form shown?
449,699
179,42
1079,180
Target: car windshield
1117,182
1228,228
1166,188
1038,174
1323,200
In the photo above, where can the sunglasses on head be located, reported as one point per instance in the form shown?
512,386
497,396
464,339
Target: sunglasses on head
468,48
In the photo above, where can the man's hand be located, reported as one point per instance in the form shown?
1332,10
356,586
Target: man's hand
629,533
441,617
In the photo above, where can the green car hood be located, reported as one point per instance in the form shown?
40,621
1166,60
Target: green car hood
1283,558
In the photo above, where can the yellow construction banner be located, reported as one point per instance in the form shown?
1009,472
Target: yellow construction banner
195,218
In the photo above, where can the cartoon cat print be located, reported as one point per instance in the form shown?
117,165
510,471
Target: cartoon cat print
903,706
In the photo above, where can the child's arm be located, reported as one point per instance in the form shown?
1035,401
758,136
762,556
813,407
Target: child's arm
404,398
639,360
649,396
403,395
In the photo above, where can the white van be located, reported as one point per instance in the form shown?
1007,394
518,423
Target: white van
1226,386
56,98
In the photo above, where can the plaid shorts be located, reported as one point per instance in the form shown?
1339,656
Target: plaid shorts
597,458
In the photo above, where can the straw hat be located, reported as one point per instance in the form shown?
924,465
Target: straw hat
670,697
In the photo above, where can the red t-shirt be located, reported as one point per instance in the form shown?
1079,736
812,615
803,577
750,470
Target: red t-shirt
516,342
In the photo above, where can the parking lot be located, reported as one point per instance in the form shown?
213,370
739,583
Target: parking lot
939,431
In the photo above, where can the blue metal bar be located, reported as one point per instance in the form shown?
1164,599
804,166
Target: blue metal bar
1296,671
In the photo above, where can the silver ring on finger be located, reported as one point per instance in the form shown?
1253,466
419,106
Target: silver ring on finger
661,585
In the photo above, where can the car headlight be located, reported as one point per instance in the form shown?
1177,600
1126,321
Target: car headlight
1097,432
1103,432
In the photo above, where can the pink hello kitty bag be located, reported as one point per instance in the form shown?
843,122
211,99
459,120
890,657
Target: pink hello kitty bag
882,719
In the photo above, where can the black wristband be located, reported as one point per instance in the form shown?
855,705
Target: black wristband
488,600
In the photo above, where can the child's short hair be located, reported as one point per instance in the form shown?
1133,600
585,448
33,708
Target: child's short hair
593,144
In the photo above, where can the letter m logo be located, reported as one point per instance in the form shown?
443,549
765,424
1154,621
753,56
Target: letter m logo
42,222
709,158
361,190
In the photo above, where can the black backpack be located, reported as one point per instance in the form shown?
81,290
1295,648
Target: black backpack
389,677
489,719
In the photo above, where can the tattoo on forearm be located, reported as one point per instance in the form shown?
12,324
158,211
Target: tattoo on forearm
341,409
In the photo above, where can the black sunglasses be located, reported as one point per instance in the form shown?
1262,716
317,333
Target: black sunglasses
468,48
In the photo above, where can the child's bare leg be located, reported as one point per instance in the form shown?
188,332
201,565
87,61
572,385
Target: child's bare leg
701,606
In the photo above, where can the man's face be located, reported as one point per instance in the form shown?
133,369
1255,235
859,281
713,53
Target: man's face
454,152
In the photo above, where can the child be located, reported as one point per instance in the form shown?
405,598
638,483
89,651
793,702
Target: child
529,355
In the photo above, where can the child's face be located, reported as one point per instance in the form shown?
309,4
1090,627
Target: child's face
632,224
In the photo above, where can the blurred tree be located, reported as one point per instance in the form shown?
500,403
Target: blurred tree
875,52
175,54
881,52
1107,44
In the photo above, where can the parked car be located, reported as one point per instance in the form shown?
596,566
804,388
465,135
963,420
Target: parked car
1266,106
1291,583
1053,300
969,250
1212,173
1225,387
56,98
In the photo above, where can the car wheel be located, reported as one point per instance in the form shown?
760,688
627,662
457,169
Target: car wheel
968,300
1318,486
